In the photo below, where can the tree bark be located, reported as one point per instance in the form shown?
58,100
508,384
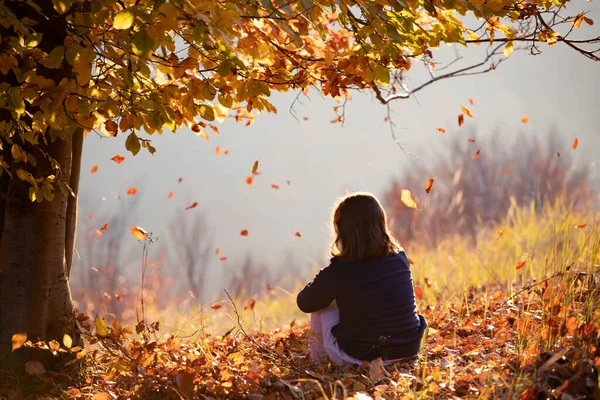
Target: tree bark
34,286
73,201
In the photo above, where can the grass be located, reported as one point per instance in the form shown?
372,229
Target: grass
514,315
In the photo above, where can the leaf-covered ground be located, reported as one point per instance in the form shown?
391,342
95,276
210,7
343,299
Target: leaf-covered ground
539,341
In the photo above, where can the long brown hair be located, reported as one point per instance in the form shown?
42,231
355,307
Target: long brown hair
361,229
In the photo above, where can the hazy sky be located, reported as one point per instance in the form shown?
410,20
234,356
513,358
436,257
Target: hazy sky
322,160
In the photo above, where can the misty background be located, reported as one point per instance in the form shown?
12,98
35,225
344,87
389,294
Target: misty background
556,91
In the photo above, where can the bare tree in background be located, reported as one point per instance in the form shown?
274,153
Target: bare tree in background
189,247
470,191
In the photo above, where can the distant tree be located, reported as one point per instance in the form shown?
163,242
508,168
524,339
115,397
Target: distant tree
133,68
470,192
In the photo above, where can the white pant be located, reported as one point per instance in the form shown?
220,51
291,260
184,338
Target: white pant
322,342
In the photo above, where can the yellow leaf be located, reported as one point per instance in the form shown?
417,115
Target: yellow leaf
67,341
508,49
577,20
101,328
18,339
123,20
406,198
139,233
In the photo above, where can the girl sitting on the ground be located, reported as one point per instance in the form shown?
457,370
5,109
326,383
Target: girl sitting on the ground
363,304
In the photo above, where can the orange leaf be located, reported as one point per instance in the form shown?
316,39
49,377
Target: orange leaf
217,251
500,233
104,227
255,167
249,180
132,191
18,340
407,199
441,130
222,258
98,233
298,234
472,140
461,119
581,225
521,264
214,128
218,150
418,293
226,152
193,205
244,232
466,111
429,185
588,21
94,169
118,159
305,118
274,186
575,143
471,101
138,233
289,183
476,155
180,180
170,195
216,306
558,154
525,120
90,217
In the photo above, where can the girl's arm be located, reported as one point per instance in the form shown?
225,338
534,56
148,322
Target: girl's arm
319,293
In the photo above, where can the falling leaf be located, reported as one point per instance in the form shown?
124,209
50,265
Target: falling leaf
472,140
170,195
104,227
217,251
558,154
520,264
218,151
476,155
525,120
499,234
34,368
101,327
575,143
131,191
107,296
67,341
461,119
90,217
289,183
429,184
298,234
244,232
222,258
94,169
249,180
418,293
180,180
441,130
193,205
18,339
118,159
581,225
466,111
119,297
268,287
98,233
255,167
407,199
138,233
471,101
274,186
226,152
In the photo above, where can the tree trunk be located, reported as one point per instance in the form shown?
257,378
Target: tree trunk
34,286
73,201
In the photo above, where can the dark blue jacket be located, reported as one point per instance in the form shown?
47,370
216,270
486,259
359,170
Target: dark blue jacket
378,313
